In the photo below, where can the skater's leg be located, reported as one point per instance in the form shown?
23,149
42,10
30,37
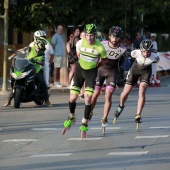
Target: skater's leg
123,97
95,96
108,100
72,106
87,110
88,113
94,100
141,99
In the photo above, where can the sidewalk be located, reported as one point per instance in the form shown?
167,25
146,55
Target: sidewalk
164,81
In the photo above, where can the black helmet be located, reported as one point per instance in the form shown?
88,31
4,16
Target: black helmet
116,31
90,29
146,45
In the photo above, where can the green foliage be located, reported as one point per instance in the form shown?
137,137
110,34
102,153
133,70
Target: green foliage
30,15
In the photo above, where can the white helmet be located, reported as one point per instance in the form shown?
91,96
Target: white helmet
39,33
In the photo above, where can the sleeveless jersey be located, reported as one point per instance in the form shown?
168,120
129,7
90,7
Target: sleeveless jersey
89,54
113,54
142,62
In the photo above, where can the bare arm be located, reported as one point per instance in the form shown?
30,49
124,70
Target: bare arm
51,58
102,62
68,49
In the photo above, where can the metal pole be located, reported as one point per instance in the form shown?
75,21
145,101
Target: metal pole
4,83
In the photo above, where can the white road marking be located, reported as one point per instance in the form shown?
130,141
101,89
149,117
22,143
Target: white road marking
51,155
161,127
84,139
112,128
150,137
20,140
46,129
128,153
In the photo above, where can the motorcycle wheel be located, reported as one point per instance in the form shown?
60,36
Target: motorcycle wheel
17,98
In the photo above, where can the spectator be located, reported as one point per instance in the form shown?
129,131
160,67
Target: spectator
153,38
71,50
58,46
69,54
146,35
137,41
155,48
52,62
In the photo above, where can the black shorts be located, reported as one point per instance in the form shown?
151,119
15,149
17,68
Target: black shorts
135,73
108,74
81,75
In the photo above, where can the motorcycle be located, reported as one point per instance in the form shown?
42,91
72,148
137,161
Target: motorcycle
25,88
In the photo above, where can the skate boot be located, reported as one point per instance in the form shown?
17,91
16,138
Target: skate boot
117,113
104,124
68,123
138,120
83,129
90,116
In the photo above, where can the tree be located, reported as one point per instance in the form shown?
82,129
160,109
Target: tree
29,16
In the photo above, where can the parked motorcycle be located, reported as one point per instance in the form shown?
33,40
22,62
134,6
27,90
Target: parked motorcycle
25,88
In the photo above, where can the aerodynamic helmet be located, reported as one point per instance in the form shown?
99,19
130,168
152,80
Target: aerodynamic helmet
116,31
40,43
90,28
146,45
39,33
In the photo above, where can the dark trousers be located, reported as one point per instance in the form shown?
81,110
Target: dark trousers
40,78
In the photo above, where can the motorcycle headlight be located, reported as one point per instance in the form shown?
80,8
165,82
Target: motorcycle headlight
22,75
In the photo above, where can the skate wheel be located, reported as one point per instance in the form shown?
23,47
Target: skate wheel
114,120
83,134
103,130
74,122
137,126
63,131
68,128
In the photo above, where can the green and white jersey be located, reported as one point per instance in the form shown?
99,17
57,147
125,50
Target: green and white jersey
89,54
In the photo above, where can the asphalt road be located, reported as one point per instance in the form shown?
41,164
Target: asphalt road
30,137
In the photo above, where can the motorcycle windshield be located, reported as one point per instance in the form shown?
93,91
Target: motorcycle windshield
21,63
22,54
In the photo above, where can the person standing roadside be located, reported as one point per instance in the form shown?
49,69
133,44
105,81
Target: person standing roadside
155,49
153,38
52,63
71,50
137,40
89,51
58,46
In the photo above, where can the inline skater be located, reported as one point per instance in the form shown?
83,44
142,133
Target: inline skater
109,71
141,68
89,51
